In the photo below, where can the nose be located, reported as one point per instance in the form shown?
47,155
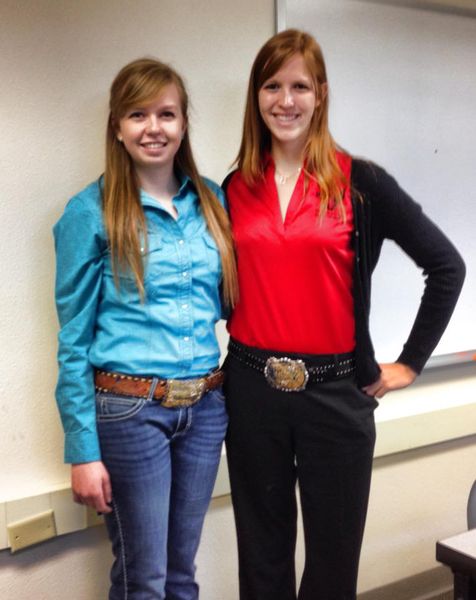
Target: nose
153,124
286,98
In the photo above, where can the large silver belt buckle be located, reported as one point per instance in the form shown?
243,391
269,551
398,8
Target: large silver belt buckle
286,374
183,392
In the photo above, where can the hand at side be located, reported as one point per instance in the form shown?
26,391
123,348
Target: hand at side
91,485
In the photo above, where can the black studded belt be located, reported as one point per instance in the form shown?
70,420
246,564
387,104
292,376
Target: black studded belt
293,374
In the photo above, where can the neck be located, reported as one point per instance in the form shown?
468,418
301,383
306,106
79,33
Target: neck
286,158
158,183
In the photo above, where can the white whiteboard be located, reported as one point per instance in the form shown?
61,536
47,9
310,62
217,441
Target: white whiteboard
403,94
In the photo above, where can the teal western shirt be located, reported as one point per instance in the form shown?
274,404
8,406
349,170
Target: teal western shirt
171,334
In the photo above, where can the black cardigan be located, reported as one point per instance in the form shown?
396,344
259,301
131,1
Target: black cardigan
383,210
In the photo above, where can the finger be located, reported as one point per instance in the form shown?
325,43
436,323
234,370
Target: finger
101,506
373,387
370,390
77,498
98,502
107,491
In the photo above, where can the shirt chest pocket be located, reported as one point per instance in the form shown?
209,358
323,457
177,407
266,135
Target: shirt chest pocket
160,259
154,254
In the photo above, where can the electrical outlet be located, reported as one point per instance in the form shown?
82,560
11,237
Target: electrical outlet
32,530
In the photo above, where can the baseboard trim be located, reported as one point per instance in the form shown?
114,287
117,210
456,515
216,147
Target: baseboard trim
435,584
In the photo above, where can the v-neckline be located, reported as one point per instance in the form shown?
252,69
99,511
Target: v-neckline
293,204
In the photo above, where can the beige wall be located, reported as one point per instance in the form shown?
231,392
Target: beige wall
57,59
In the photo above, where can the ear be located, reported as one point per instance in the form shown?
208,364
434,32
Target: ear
116,128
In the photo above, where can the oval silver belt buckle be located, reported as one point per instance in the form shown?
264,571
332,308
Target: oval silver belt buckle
286,374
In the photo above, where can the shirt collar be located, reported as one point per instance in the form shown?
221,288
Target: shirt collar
185,184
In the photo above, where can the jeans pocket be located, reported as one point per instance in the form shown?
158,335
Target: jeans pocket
218,394
111,407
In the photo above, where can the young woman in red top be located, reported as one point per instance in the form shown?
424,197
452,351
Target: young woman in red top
302,380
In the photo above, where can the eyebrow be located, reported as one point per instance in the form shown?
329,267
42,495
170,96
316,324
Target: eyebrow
297,78
147,105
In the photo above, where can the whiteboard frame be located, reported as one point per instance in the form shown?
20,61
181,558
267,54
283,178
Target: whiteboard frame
280,15
461,7
465,8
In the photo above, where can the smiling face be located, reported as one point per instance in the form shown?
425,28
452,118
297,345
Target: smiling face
287,102
152,133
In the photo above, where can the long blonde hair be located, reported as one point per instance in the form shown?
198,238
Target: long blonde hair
138,83
320,151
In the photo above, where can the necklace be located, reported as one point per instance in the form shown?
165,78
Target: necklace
282,179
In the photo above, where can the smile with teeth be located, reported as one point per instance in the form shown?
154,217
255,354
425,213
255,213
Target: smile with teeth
153,145
286,118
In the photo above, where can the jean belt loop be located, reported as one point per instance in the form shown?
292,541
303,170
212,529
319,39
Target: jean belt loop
153,385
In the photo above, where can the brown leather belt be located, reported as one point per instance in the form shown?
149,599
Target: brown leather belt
171,393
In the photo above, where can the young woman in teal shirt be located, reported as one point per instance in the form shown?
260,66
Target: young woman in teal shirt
141,256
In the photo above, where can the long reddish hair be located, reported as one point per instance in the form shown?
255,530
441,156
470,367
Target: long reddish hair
138,83
320,150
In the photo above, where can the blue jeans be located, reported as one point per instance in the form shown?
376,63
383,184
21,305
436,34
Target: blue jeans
163,464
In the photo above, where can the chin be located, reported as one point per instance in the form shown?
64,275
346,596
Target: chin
288,138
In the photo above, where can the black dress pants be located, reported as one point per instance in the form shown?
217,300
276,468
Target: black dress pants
323,438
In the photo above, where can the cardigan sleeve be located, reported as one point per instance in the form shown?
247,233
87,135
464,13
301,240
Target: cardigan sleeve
399,218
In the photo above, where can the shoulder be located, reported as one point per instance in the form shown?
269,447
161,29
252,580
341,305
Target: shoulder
215,188
368,175
240,193
89,199
378,188
83,207
226,182
236,189
382,202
